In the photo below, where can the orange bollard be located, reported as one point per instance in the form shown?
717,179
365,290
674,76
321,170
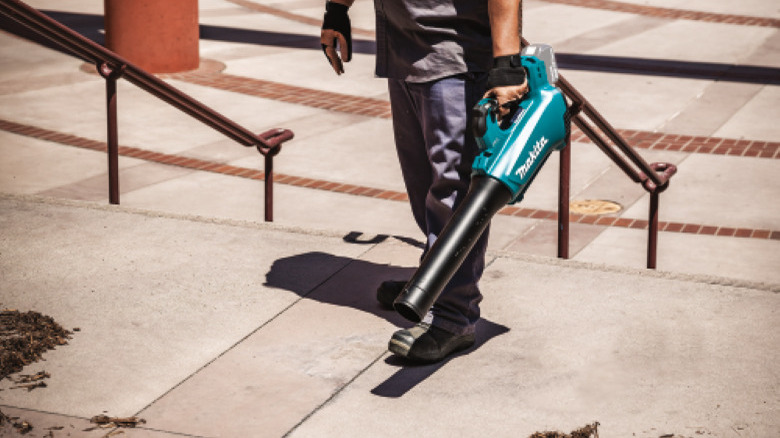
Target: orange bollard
160,36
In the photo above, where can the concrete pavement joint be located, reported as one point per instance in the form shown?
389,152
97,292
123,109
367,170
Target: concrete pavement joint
316,184
263,325
67,417
334,395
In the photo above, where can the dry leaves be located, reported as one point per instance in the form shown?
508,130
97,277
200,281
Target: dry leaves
24,337
589,431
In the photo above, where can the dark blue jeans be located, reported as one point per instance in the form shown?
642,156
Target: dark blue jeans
435,150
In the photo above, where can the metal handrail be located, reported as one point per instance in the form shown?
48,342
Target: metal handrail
112,67
653,177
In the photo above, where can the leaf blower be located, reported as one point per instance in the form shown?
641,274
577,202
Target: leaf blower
510,156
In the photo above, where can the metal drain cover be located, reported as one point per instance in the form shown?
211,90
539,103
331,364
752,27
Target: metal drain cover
594,207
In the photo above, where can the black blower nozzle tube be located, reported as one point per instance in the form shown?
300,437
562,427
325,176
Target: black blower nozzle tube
485,197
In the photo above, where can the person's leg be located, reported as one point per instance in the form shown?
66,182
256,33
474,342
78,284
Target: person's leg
445,112
436,150
411,148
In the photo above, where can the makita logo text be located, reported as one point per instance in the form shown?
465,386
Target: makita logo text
522,170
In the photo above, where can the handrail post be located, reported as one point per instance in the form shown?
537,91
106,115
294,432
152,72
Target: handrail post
269,145
666,171
111,75
652,238
269,188
564,187
113,139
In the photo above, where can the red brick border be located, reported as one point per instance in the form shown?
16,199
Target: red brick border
681,14
693,144
288,93
370,107
390,195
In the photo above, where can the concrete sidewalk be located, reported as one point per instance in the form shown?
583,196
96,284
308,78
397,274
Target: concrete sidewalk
185,324
205,321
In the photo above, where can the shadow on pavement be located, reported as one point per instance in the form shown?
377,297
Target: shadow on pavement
348,282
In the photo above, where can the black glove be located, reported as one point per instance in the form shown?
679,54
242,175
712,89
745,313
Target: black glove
507,71
337,19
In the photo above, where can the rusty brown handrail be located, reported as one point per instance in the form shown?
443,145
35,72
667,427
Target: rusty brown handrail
653,177
112,66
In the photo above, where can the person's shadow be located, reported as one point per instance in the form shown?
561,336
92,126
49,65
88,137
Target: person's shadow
358,280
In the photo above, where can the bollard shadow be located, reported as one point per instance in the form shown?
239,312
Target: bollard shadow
350,282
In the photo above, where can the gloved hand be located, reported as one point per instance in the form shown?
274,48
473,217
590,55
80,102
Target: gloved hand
507,82
336,28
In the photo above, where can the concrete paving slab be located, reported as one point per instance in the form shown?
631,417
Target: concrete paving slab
312,126
695,41
155,298
78,6
15,63
33,166
71,109
563,347
361,153
750,120
279,374
721,191
757,8
506,230
542,239
713,108
644,103
228,50
223,151
246,18
309,68
131,178
554,23
215,195
766,53
593,39
753,260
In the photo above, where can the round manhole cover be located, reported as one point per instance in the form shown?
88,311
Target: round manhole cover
594,206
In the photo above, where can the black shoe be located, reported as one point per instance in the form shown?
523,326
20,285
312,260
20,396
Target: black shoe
426,344
388,291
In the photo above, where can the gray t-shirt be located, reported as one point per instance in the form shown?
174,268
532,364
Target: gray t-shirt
424,40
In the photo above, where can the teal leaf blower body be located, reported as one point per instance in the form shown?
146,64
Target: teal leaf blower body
510,158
